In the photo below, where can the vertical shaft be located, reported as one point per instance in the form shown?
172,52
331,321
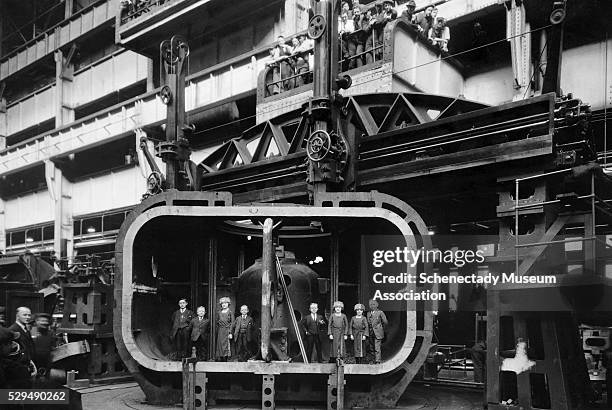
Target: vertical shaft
267,293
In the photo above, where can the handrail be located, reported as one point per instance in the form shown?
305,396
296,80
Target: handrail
46,33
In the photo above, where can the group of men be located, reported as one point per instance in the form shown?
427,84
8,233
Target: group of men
361,33
361,28
190,333
25,350
290,64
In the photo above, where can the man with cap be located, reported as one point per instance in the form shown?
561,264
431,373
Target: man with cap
13,373
22,323
387,14
44,341
408,15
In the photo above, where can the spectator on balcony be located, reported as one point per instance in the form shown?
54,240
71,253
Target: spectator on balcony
408,15
426,21
280,68
434,15
307,44
357,39
284,51
345,29
368,25
439,34
300,53
346,8
387,14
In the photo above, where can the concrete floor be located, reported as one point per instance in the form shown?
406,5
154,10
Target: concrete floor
417,397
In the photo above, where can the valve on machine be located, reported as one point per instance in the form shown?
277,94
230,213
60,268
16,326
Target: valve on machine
557,16
316,26
322,145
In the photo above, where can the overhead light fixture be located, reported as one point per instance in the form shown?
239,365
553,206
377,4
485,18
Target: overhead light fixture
29,239
91,229
248,237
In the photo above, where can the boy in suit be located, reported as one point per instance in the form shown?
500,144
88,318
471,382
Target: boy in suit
243,331
199,333
181,329
311,324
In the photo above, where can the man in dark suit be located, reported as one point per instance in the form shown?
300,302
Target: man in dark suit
311,324
243,333
13,373
199,333
21,326
181,329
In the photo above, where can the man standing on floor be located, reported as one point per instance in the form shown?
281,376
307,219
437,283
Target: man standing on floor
199,333
311,324
376,323
181,329
22,326
243,331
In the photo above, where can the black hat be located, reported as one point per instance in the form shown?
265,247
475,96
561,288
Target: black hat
7,336
45,315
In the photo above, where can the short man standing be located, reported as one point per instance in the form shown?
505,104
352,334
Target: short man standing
22,326
199,333
181,329
311,324
376,323
243,331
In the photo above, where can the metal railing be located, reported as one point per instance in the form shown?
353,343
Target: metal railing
371,55
136,8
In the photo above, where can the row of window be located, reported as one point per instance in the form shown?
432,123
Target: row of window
83,227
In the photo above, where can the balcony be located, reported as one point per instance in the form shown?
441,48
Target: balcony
143,24
228,81
76,27
405,62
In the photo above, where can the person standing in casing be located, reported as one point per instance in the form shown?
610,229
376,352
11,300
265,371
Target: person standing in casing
376,323
337,329
181,329
225,323
243,333
311,325
358,332
200,327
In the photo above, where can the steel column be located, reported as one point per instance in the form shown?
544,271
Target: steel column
212,294
267,293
